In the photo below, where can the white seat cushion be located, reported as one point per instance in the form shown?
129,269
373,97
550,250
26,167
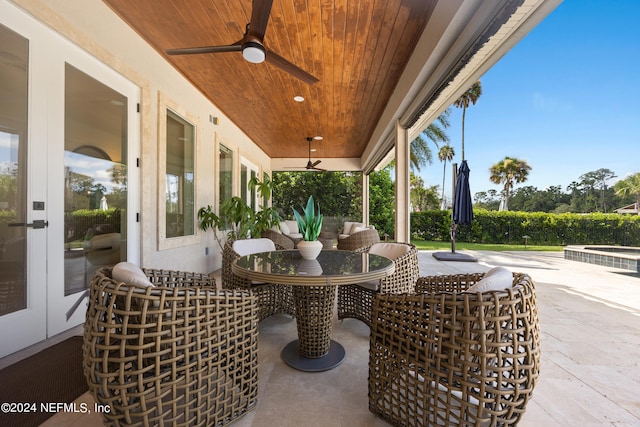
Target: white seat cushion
253,246
496,279
130,273
392,251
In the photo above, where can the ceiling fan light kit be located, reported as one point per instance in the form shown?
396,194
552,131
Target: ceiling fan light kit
253,52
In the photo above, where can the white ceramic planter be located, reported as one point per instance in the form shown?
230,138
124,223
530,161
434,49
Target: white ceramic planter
309,249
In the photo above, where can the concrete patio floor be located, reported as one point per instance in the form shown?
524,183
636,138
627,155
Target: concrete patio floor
590,373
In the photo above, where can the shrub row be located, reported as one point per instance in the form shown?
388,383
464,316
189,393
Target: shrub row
542,228
79,222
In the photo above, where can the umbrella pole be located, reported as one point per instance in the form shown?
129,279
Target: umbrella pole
452,231
454,226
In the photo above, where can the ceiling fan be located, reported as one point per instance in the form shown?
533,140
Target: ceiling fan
252,44
310,165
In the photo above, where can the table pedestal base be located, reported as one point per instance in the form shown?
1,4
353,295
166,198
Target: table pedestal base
292,357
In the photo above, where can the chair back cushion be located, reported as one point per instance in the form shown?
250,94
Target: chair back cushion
496,279
253,246
131,274
293,226
392,251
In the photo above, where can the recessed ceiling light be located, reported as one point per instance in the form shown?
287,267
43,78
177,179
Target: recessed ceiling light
313,150
298,98
318,138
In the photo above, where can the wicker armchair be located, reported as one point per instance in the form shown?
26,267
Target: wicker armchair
445,357
179,353
272,298
356,300
360,241
281,241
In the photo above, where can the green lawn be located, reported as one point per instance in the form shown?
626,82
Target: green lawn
430,245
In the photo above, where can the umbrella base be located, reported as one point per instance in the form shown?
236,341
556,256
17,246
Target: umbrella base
453,256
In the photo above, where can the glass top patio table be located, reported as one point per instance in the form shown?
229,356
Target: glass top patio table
331,267
314,288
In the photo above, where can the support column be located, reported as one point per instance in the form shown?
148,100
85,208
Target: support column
403,146
365,199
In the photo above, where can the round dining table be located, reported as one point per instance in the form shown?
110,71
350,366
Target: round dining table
314,285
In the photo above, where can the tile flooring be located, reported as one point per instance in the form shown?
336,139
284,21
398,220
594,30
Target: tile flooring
590,373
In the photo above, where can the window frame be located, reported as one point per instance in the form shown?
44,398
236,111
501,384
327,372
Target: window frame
164,106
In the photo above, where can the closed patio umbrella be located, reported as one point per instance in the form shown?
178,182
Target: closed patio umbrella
462,214
462,205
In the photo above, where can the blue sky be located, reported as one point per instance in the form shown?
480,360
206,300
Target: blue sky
565,99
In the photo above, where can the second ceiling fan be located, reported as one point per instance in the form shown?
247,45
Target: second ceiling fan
252,44
310,165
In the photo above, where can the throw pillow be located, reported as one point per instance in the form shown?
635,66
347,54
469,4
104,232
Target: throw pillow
284,228
392,251
130,273
346,227
356,229
496,279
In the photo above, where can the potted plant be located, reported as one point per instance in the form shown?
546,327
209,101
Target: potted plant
237,220
310,226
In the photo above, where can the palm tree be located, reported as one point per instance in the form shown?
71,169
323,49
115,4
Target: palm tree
508,172
629,185
469,97
445,154
420,154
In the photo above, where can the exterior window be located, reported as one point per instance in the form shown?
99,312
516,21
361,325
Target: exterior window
248,171
180,194
226,174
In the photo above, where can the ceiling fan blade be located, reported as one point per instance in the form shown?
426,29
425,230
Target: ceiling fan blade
204,49
279,62
316,163
260,11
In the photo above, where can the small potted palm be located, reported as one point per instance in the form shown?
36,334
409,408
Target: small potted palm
309,225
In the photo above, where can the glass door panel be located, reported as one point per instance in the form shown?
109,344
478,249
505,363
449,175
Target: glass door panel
22,302
13,171
95,178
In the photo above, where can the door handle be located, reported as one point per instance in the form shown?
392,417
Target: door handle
38,223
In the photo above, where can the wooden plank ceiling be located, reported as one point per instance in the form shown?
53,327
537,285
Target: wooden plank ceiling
356,48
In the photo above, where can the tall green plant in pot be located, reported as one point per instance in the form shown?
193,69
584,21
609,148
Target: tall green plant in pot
237,220
310,226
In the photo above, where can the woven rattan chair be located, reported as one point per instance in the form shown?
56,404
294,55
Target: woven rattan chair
180,353
355,300
272,298
446,357
360,241
281,241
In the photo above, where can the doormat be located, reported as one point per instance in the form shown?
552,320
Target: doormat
36,388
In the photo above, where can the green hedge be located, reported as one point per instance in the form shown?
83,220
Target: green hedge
78,223
542,228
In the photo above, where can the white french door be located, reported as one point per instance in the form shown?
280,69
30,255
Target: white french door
69,185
